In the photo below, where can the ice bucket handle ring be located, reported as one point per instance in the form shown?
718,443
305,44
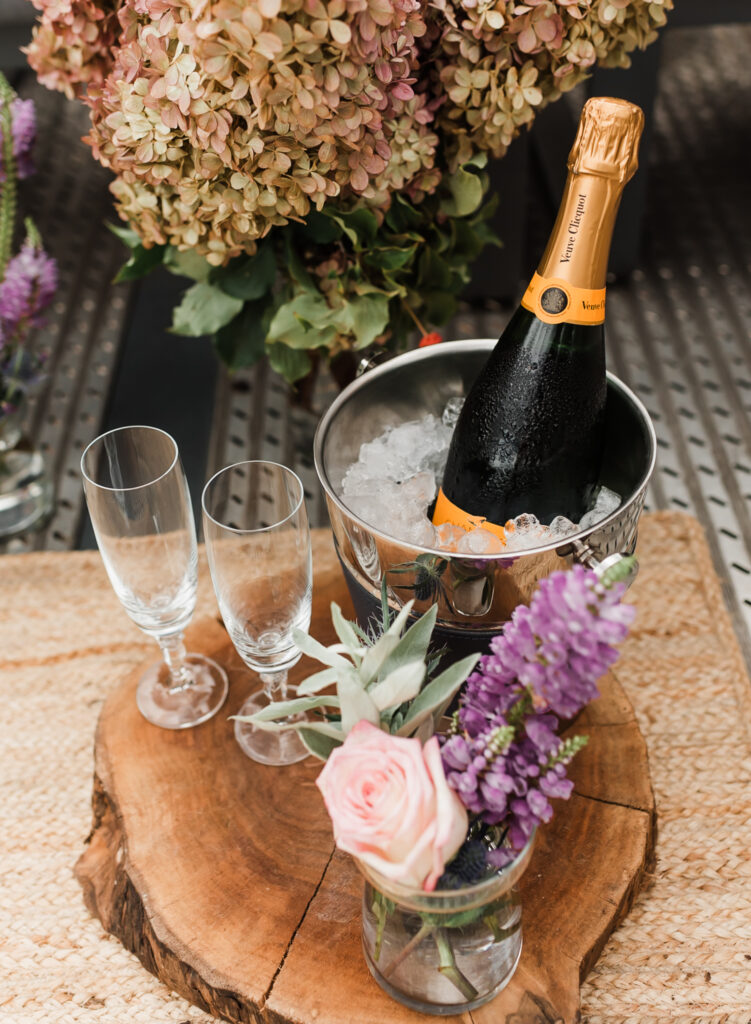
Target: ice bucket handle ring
624,568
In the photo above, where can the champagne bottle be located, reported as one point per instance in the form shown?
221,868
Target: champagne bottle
530,435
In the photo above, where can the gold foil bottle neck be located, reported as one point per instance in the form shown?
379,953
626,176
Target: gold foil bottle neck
607,142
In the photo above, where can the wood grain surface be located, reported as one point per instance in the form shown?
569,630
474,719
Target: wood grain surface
220,874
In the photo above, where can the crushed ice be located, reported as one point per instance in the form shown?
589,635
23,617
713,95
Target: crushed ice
395,479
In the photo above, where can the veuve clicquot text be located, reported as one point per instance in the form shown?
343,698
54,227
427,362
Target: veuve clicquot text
530,435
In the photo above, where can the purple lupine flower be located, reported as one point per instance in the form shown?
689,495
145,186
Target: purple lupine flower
25,291
23,128
558,647
504,759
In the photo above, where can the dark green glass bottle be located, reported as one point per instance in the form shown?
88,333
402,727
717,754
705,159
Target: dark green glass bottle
530,435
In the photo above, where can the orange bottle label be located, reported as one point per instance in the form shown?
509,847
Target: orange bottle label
447,512
555,301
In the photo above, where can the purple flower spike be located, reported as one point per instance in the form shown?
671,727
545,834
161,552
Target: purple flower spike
23,128
25,291
504,759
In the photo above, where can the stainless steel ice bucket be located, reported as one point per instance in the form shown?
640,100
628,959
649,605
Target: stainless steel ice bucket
475,595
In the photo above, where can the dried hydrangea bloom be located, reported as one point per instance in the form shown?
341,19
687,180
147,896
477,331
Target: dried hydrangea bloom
72,45
225,118
501,60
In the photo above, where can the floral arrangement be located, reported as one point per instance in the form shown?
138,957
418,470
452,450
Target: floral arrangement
28,279
427,811
317,168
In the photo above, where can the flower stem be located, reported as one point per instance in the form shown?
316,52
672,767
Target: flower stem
8,188
449,969
404,952
419,325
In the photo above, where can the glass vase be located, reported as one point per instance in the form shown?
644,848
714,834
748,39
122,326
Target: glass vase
26,495
446,951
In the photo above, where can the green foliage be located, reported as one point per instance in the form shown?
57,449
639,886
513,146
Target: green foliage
204,308
384,680
278,302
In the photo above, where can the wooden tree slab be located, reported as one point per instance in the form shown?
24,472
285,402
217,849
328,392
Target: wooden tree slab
220,874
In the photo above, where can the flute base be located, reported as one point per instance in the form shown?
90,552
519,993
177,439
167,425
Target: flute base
275,748
170,707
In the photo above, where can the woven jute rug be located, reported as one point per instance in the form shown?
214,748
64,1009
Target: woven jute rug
684,952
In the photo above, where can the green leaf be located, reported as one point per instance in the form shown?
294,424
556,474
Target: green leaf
320,228
434,272
319,746
377,654
466,193
391,257
400,685
188,264
296,268
366,317
437,693
315,649
356,703
318,681
289,363
402,216
248,277
203,310
413,646
303,322
360,226
287,708
141,262
242,342
344,629
126,234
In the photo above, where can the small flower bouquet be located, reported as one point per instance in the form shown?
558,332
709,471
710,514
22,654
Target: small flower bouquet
442,823
28,279
317,168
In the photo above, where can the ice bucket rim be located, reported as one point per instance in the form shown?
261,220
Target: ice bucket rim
473,345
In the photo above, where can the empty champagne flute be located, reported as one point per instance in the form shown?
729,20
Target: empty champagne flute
139,504
258,542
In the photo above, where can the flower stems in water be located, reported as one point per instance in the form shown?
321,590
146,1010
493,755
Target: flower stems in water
414,942
448,966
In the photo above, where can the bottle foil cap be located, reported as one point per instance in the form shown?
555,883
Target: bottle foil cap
607,142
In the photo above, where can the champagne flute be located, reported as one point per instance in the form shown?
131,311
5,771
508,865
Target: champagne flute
139,504
258,542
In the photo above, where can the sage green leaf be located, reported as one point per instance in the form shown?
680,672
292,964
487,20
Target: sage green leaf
248,277
318,681
466,193
398,686
356,704
188,264
303,322
203,310
438,692
290,363
242,342
315,649
287,708
413,646
319,745
344,630
384,645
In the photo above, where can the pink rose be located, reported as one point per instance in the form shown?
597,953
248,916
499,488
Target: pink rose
391,805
